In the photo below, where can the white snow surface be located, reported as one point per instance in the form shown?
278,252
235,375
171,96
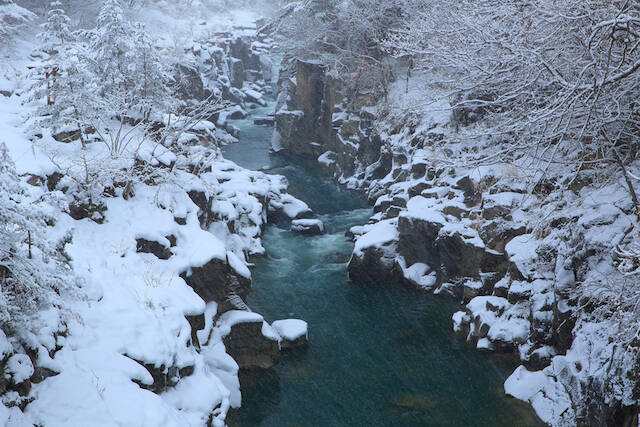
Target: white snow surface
290,329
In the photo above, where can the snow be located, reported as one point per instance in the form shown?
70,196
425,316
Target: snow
422,208
547,396
292,207
238,265
420,274
254,95
325,158
19,368
458,318
28,158
377,235
290,329
234,317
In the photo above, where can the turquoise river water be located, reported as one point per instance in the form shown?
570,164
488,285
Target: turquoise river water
377,356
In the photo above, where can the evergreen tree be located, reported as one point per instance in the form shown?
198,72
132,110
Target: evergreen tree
128,71
57,31
33,275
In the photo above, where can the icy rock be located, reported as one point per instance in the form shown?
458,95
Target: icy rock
267,67
293,332
158,248
519,291
327,158
427,236
253,75
310,227
471,289
189,82
164,377
288,208
236,71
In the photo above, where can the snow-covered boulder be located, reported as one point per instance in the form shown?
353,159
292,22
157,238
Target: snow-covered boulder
494,323
249,340
293,332
255,97
429,236
309,227
288,208
236,113
374,257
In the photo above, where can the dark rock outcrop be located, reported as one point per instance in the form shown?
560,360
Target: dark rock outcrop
250,348
375,266
306,117
189,82
264,121
153,247
217,281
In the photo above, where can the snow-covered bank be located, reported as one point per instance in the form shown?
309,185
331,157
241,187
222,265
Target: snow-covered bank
152,234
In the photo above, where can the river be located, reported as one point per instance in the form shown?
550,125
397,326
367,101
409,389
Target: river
377,356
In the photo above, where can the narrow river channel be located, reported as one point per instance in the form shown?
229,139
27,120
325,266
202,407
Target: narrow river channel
377,356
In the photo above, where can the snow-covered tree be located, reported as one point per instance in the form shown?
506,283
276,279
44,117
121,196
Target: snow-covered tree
109,79
57,29
344,35
33,275
557,79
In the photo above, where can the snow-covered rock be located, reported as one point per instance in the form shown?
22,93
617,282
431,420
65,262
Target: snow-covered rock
251,341
293,332
308,227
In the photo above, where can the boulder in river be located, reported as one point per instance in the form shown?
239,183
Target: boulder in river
251,342
255,97
293,332
264,121
309,227
237,113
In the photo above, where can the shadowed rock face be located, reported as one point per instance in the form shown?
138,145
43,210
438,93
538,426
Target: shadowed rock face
217,281
240,49
250,348
152,247
376,266
305,124
450,255
189,82
164,377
